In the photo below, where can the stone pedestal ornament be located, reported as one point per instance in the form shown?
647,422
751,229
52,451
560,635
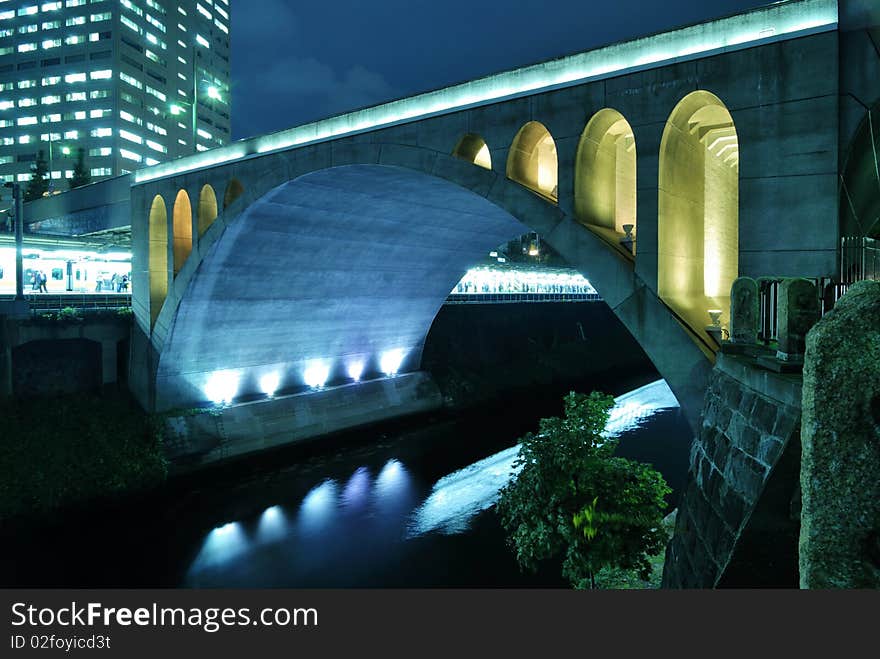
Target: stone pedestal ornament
798,311
744,310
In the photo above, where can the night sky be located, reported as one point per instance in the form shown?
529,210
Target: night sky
296,61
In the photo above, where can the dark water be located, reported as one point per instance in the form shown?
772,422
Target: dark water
407,505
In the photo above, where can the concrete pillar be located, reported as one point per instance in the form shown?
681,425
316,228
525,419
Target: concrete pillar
840,433
744,310
6,372
798,311
108,361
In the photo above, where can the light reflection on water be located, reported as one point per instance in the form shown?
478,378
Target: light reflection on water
368,518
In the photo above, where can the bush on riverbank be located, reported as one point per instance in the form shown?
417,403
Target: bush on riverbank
572,499
68,450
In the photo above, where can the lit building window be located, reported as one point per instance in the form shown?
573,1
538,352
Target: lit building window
130,155
131,137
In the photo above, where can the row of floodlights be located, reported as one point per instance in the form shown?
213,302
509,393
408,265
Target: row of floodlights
222,387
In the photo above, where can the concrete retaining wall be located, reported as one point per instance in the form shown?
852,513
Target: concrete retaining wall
195,440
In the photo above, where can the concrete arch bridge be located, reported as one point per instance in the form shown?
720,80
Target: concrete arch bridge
324,252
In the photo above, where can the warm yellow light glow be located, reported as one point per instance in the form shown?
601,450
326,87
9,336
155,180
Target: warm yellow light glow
182,230
605,173
483,158
207,208
532,160
698,216
158,256
474,149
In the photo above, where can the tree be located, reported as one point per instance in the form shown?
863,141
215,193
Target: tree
572,499
81,175
39,182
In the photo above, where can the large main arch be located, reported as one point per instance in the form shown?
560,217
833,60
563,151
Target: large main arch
435,215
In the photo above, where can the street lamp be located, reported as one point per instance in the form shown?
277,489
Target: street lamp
19,230
213,91
64,150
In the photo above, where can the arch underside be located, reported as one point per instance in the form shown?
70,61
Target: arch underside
338,266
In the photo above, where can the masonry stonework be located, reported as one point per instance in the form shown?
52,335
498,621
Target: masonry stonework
750,419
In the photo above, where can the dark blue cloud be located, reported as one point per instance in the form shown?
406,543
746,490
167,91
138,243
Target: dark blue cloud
293,62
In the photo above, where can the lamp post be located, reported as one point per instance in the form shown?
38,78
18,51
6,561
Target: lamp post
64,150
19,224
213,94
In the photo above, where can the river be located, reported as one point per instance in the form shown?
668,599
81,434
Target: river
404,505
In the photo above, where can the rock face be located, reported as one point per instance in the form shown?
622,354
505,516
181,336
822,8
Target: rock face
744,310
798,310
840,469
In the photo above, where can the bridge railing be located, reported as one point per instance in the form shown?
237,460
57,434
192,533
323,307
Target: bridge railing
859,259
47,302
829,291
502,298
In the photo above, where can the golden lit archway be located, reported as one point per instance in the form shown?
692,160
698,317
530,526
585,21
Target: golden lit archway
473,148
182,230
698,209
207,208
158,256
532,160
233,191
605,176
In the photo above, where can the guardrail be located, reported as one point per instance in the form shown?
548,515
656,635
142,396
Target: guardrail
859,259
81,301
511,298
828,293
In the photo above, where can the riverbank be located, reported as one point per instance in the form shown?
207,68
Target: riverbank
73,450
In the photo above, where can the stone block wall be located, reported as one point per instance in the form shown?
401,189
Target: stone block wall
750,417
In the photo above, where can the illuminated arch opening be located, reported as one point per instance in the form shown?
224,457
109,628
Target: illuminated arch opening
182,230
474,149
207,208
605,176
532,160
233,191
698,209
158,256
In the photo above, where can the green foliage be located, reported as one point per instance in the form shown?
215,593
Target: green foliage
81,175
572,499
39,182
69,450
69,313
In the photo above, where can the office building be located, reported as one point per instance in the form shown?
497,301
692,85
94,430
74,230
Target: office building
132,82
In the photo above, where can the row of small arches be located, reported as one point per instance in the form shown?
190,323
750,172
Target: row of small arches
698,183
182,222
697,246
